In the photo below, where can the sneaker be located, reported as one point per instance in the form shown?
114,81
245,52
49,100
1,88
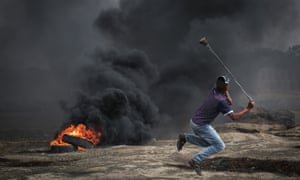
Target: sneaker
195,166
180,142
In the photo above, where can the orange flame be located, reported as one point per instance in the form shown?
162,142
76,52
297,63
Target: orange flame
80,131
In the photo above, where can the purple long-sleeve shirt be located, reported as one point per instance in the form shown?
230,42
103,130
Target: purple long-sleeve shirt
215,103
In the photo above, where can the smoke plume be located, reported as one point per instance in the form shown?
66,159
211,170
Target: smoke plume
134,68
114,97
252,37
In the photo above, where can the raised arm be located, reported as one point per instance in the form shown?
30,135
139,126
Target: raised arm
238,115
229,100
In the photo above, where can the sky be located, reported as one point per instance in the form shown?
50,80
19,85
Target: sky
61,60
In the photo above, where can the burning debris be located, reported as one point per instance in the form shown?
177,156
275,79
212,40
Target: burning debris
113,101
77,137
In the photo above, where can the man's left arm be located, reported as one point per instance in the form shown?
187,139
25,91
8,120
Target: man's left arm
238,115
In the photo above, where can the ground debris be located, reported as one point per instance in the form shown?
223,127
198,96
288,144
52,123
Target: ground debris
252,152
250,165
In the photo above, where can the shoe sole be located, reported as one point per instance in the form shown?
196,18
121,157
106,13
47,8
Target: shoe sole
199,173
180,144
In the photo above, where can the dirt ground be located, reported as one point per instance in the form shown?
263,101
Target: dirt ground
252,152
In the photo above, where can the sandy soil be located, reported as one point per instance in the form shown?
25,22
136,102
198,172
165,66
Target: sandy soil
252,152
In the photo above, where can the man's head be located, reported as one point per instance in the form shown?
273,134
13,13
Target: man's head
222,83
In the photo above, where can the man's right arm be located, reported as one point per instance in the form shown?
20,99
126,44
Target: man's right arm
238,115
229,100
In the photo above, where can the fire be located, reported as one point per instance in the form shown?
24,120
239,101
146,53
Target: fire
80,131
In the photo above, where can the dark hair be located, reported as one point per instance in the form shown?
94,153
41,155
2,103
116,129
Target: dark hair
221,79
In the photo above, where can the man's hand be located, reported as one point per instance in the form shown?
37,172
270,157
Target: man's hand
238,115
250,105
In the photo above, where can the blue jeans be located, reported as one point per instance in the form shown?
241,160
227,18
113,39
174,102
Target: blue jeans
206,136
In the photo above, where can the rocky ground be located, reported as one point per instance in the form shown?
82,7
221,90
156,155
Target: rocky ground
264,150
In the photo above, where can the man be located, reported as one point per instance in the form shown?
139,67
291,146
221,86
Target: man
218,100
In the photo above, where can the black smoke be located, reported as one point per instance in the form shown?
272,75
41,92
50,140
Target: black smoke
251,36
134,68
114,99
42,44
